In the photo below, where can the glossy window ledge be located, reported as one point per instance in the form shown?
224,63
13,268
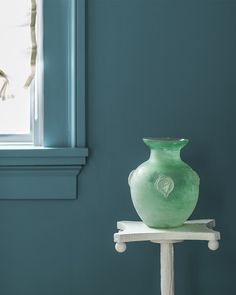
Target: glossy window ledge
40,173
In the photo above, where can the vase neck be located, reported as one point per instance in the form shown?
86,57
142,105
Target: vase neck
165,155
165,149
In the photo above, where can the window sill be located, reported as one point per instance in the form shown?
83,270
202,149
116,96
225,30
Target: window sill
28,173
29,156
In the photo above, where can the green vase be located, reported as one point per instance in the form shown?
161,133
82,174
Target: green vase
164,189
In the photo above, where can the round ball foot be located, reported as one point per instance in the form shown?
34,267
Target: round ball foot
120,247
213,245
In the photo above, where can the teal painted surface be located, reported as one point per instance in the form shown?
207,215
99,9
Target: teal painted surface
164,189
39,183
55,73
42,156
64,73
148,62
40,173
81,71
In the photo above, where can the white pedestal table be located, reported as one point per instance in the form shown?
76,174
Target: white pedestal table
135,231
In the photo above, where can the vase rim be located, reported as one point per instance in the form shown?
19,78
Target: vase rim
165,139
165,143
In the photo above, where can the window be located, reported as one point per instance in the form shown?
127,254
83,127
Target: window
50,171
20,104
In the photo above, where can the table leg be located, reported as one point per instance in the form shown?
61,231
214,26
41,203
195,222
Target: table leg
167,268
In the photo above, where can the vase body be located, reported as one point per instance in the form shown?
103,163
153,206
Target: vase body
164,189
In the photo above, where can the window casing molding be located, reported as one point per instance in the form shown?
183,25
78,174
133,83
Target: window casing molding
50,171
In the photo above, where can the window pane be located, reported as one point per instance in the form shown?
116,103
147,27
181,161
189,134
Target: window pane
15,37
15,114
16,111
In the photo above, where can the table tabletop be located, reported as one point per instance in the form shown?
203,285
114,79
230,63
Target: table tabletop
134,231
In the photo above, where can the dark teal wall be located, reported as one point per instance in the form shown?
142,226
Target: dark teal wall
154,67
